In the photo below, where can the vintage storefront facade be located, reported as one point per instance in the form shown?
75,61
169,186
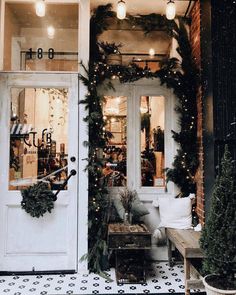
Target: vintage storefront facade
43,131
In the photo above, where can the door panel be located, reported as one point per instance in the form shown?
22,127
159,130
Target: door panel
47,243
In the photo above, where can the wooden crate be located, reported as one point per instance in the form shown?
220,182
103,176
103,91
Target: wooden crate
129,243
122,236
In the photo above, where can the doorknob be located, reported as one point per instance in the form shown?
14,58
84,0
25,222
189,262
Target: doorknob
72,173
73,159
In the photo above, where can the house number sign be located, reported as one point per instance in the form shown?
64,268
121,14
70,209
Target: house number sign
39,53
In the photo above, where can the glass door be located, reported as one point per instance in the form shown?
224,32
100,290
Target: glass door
39,127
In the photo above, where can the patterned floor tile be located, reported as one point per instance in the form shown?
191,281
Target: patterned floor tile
160,279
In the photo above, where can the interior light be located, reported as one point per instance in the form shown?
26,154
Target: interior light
170,10
121,10
118,99
151,52
40,8
51,32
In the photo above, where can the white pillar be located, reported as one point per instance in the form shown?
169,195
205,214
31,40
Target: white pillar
84,21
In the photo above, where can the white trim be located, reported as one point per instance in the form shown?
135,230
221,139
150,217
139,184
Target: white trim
133,91
84,21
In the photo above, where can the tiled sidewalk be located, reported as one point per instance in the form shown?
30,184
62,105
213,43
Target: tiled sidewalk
160,279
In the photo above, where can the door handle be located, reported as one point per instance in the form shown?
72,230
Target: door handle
72,173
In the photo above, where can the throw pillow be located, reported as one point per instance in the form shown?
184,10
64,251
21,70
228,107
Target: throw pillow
175,213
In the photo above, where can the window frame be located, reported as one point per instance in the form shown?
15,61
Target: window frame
81,33
133,92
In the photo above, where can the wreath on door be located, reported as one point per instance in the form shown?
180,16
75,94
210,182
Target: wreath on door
38,199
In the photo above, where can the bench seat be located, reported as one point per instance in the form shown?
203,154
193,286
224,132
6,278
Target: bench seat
186,242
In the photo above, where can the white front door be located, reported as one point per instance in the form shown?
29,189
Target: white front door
38,137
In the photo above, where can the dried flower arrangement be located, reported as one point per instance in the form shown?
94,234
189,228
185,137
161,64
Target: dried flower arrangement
127,196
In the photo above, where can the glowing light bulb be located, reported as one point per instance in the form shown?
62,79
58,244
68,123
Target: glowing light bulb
118,99
170,10
151,52
40,8
51,32
121,10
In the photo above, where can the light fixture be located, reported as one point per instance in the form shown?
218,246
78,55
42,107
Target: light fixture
170,10
152,52
40,8
121,9
51,32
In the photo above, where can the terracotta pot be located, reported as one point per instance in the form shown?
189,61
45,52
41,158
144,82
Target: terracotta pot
214,291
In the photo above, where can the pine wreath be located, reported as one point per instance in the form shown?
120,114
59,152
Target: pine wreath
38,199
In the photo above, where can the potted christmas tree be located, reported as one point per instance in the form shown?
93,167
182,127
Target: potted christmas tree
218,239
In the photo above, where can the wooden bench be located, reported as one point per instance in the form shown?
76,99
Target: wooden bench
187,243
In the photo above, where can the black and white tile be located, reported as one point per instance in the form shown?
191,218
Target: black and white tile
160,279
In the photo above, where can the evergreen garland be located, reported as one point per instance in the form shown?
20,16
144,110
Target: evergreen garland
177,75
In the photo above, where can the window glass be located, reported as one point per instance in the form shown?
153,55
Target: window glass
152,122
115,116
41,43
38,137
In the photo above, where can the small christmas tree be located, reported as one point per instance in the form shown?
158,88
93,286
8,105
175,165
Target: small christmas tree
218,238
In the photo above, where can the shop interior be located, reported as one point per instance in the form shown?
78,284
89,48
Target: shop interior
152,126
38,137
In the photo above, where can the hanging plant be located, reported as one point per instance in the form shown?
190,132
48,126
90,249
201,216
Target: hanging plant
38,199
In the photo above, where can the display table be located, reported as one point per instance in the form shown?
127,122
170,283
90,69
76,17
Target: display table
129,243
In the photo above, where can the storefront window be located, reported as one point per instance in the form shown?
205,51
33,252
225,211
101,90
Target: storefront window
38,137
41,43
152,110
115,153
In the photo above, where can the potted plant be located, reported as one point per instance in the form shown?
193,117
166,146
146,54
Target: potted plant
218,239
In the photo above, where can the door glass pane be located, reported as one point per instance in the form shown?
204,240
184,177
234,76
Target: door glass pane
38,137
115,116
152,122
46,43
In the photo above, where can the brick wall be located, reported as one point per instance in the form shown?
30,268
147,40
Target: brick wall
196,51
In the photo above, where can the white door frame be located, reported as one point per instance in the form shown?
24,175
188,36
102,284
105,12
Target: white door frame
66,80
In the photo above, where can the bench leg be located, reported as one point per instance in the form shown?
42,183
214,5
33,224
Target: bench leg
169,245
186,275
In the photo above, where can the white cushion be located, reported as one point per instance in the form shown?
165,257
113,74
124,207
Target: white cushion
175,213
